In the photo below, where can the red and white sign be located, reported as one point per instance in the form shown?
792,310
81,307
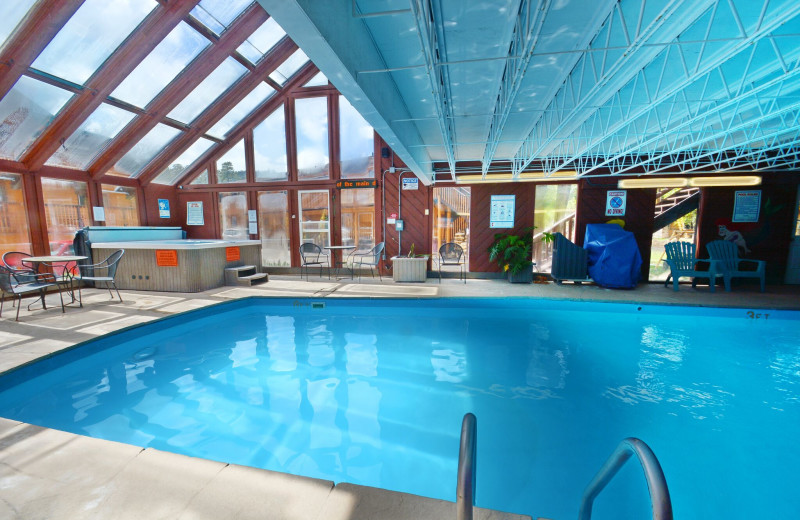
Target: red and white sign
615,203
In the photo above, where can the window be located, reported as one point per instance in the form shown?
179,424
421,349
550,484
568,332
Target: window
11,13
90,36
261,41
242,109
213,86
161,66
683,228
217,15
270,148
91,137
451,220
356,143
25,112
231,166
358,218
273,216
311,121
317,81
174,171
554,211
144,151
288,68
201,179
14,234
233,215
66,206
120,206
315,223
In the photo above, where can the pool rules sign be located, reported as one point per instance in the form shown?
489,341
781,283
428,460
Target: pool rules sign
615,203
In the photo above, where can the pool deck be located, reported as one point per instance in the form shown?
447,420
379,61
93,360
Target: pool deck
49,474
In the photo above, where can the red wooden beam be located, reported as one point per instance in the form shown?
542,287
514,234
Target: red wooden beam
31,37
108,77
180,87
218,109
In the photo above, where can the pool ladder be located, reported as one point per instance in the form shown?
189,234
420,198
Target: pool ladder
656,483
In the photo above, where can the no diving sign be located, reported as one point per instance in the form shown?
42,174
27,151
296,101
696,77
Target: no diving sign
615,203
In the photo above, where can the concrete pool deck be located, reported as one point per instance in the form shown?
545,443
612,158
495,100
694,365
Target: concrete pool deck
49,474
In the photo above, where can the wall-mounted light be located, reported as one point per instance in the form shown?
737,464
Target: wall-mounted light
675,182
695,182
744,180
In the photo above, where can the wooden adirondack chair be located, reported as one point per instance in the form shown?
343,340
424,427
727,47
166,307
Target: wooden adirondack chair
726,254
682,262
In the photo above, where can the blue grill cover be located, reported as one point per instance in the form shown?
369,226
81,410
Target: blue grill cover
614,258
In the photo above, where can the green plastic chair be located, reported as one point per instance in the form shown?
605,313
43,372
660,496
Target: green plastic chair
726,254
682,262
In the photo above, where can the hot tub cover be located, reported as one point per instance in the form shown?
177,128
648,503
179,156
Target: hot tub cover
614,258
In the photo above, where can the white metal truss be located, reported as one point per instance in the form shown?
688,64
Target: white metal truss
527,28
432,42
693,97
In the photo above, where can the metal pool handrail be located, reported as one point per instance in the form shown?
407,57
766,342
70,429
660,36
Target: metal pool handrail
656,483
465,486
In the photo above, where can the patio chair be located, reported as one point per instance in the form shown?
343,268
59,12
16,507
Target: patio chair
64,274
11,284
107,266
682,262
726,253
371,258
12,260
452,254
312,254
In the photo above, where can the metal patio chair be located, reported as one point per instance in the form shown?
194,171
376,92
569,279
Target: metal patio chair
93,273
452,254
371,258
312,254
12,260
10,283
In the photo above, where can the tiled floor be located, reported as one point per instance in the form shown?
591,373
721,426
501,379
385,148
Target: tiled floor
47,474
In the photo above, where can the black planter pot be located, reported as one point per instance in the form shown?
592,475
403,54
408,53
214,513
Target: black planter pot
524,276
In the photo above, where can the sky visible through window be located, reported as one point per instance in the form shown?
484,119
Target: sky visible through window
11,13
174,171
261,41
213,86
242,109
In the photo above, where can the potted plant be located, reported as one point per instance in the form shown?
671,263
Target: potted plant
412,267
513,254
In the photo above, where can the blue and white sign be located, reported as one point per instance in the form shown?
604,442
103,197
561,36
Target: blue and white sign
615,203
163,208
501,211
747,206
411,183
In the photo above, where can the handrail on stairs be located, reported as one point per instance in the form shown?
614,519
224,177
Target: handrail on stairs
656,483
465,481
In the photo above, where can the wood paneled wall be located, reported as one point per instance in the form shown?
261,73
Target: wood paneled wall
481,236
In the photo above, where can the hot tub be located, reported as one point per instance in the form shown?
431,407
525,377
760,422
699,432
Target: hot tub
178,265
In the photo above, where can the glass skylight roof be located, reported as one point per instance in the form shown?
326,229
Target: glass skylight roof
11,13
258,95
208,91
261,41
161,66
174,171
317,81
25,111
91,36
144,151
91,137
217,15
288,68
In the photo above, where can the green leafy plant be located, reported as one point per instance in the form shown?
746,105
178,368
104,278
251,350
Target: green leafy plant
412,254
512,252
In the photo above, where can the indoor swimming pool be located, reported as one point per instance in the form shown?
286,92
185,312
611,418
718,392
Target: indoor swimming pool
372,392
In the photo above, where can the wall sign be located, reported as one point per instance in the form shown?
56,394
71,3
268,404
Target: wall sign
615,203
501,212
410,183
166,258
99,213
746,206
163,208
232,254
365,183
194,213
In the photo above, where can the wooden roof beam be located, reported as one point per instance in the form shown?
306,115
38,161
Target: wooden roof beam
116,68
305,74
218,109
179,88
30,38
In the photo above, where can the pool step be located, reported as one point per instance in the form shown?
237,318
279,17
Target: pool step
246,275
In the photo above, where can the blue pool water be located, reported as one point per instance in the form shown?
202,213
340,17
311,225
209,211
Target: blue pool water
373,391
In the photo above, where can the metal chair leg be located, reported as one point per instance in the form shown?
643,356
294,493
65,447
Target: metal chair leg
115,288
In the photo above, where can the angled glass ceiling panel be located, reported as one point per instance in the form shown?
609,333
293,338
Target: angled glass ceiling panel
208,91
259,94
11,13
143,152
288,68
80,149
25,111
217,15
317,81
173,172
90,36
261,41
166,61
